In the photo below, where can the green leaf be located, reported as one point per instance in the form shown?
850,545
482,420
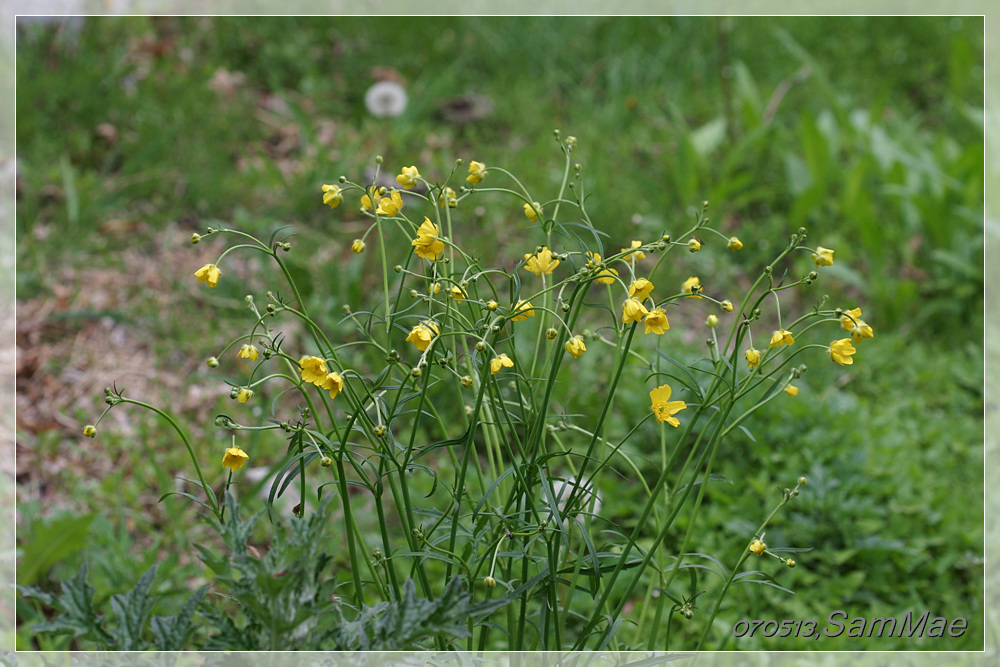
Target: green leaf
50,543
171,634
133,610
79,618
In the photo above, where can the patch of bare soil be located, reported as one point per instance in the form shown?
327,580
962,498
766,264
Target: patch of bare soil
84,335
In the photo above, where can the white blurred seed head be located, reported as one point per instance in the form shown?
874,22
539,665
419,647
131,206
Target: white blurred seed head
386,98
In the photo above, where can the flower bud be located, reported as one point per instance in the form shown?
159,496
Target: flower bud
480,346
466,381
790,563
551,333
212,362
414,294
802,481
358,246
735,243
397,268
727,306
694,245
326,462
712,321
195,238
492,305
416,372
380,430
90,430
490,582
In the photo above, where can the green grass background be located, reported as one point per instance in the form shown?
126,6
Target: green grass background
876,147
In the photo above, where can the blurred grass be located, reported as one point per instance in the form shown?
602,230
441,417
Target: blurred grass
873,140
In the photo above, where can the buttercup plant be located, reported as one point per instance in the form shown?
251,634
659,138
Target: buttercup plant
444,427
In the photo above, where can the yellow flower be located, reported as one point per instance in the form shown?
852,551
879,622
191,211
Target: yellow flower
422,334
499,362
841,351
209,273
447,198
245,394
735,243
390,205
606,275
332,196
456,293
333,383
823,256
358,246
366,199
694,245
638,255
656,322
234,458
753,358
791,390
427,245
90,430
247,352
540,262
757,547
313,369
712,321
576,346
663,407
857,326
523,310
640,289
782,337
691,286
531,210
477,172
408,178
633,311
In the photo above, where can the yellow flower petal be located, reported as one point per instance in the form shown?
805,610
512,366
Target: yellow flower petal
234,458
633,311
523,310
576,346
663,407
656,322
208,274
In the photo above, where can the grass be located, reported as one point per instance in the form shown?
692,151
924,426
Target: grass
874,144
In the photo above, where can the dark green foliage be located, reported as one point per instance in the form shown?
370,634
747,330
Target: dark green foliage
79,618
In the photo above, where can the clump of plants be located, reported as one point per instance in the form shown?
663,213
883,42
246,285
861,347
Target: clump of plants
445,449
